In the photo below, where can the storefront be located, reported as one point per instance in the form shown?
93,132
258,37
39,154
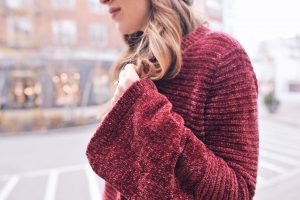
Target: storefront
66,88
24,89
51,94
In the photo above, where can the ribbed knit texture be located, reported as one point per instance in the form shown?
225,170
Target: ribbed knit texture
192,137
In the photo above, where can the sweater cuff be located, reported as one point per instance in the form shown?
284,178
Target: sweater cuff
126,101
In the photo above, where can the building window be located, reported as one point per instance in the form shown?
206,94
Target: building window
98,34
24,89
94,5
64,4
17,4
294,87
19,31
64,32
67,88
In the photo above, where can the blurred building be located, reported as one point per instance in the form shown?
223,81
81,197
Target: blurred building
278,68
212,11
51,50
215,11
55,53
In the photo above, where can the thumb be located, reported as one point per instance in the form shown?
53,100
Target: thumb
130,65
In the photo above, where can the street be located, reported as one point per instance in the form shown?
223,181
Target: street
52,165
60,69
48,166
279,161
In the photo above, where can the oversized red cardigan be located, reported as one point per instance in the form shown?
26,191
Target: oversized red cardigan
192,137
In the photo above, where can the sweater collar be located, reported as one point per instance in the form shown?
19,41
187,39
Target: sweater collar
190,38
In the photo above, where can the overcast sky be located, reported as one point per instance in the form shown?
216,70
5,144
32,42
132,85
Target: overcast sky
256,20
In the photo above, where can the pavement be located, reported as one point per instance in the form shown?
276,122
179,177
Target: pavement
279,159
48,166
51,165
288,113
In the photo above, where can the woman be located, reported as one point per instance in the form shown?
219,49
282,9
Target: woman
183,120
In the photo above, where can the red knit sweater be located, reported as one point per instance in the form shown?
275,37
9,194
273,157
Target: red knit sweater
192,137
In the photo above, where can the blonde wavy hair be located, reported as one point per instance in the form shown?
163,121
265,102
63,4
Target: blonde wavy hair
157,51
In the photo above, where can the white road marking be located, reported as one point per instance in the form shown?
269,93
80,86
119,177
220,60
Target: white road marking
95,193
271,166
280,150
52,185
280,158
287,135
44,172
11,183
284,144
278,179
5,177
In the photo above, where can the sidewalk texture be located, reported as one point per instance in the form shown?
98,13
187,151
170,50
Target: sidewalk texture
288,114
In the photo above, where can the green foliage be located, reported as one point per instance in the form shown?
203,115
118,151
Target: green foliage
271,102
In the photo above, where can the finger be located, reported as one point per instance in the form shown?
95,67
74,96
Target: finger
113,100
130,70
130,66
122,73
118,92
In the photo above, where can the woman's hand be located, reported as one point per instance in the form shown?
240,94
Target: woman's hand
127,77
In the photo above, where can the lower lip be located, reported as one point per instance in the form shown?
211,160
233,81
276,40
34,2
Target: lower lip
115,13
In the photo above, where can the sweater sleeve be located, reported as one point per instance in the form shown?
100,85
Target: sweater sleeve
143,149
224,165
